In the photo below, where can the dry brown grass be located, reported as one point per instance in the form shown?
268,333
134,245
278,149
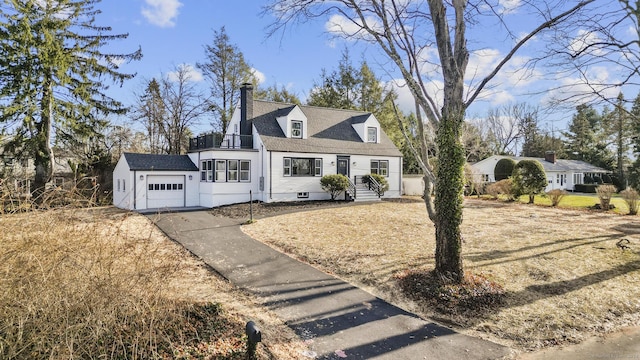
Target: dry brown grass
563,276
103,283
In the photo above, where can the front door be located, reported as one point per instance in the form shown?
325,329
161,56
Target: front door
343,165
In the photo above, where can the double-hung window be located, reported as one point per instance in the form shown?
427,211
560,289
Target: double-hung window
380,167
296,129
232,170
302,167
221,170
372,135
245,170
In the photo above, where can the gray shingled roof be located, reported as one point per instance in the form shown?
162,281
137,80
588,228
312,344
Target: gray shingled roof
153,162
328,131
562,165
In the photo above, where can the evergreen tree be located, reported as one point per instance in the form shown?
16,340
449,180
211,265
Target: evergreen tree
226,70
151,112
586,140
618,125
273,93
53,72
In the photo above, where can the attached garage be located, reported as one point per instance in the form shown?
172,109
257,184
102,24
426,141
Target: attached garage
165,191
148,181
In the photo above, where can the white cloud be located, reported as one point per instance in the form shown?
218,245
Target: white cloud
191,74
406,102
509,6
581,42
341,26
581,89
260,76
161,12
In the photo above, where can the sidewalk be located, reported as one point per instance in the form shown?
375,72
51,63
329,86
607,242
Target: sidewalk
335,318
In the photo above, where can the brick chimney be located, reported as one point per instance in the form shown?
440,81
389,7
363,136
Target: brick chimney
246,108
550,156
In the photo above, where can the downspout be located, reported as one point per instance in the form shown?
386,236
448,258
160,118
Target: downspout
270,175
134,189
400,175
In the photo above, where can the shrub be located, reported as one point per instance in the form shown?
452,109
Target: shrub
504,168
529,178
502,187
556,196
604,194
632,198
379,179
587,179
597,179
606,178
334,184
585,188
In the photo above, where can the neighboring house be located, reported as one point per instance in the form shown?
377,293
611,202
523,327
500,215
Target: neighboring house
271,152
561,174
16,175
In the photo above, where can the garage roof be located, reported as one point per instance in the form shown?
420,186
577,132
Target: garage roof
154,162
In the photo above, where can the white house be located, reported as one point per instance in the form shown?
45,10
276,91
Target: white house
276,151
561,174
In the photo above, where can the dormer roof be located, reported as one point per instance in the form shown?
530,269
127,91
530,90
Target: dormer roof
328,131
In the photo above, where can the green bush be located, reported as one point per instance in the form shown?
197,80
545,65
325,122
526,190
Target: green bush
334,184
379,179
585,188
606,178
504,168
529,178
588,180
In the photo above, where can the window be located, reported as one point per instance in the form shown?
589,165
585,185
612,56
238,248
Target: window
303,195
221,170
151,187
296,129
485,177
372,135
287,166
245,170
232,170
302,167
380,167
124,187
577,178
209,170
203,171
118,184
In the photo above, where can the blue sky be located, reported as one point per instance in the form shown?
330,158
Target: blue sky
173,33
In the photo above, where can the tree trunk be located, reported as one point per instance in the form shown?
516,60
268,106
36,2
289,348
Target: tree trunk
531,198
43,154
449,197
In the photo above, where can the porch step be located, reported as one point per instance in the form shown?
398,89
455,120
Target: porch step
364,194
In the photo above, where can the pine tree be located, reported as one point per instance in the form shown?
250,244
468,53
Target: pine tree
53,72
226,70
586,140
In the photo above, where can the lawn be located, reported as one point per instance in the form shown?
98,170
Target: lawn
563,275
104,283
582,201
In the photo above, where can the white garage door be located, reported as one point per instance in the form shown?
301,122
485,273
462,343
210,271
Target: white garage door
165,191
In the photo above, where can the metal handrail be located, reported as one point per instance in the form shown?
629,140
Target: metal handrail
351,189
376,186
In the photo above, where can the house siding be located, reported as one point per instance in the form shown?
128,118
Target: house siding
213,194
286,188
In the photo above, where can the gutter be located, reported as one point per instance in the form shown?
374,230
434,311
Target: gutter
134,189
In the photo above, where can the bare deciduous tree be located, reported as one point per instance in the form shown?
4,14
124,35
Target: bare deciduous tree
407,32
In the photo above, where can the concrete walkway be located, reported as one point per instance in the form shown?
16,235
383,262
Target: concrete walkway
336,319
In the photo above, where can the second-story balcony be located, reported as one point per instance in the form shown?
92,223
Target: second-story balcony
218,141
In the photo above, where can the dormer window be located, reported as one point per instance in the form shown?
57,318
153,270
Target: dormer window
296,129
372,135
